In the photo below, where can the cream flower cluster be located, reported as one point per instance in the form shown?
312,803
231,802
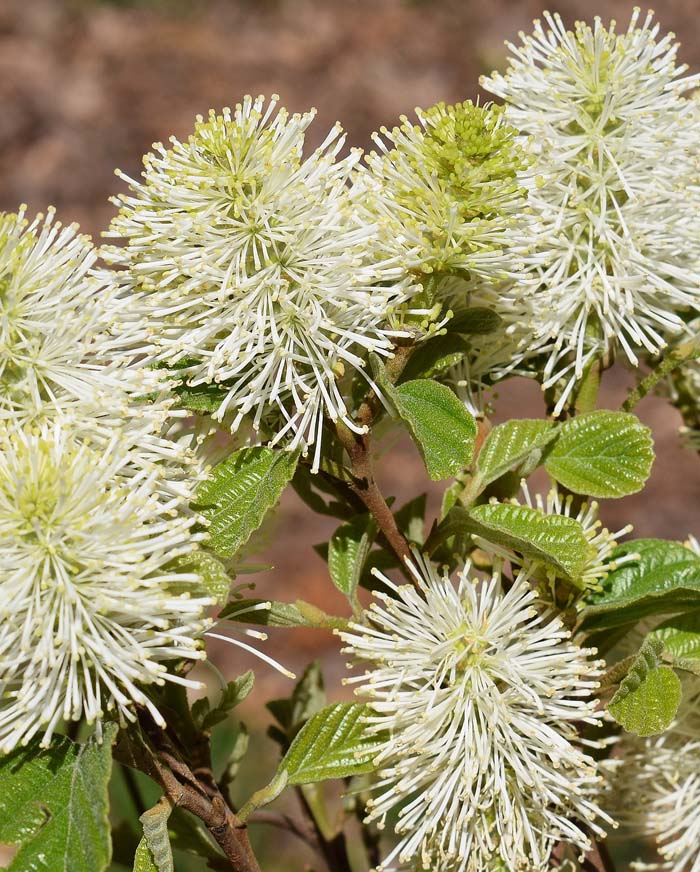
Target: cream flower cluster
482,697
246,267
613,189
93,601
94,499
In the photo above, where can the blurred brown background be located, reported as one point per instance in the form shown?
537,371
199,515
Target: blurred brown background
87,85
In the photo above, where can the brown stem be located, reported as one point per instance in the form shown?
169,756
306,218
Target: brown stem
599,859
365,487
161,761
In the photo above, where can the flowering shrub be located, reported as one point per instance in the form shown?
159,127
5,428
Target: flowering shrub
525,680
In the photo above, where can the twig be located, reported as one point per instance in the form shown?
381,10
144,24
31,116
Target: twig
686,351
286,822
164,765
333,848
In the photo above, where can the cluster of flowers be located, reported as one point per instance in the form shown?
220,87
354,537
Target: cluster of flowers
267,276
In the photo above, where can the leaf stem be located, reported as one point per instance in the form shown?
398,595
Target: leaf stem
677,357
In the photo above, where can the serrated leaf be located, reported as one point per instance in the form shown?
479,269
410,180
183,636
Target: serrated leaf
647,700
602,454
206,717
215,580
510,444
348,550
556,540
239,492
664,578
475,321
334,743
154,853
53,805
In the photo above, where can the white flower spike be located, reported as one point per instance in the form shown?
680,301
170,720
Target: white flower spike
613,189
55,316
92,605
481,695
246,267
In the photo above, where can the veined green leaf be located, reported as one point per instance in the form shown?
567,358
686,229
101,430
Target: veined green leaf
602,454
205,716
664,578
334,743
557,541
240,491
647,699
53,805
510,444
348,550
216,581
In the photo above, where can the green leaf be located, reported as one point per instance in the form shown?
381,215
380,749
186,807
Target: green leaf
278,615
348,550
664,578
199,398
308,697
205,717
53,805
216,581
647,700
602,454
435,356
439,424
680,636
556,540
334,743
410,518
509,445
239,492
475,321
154,853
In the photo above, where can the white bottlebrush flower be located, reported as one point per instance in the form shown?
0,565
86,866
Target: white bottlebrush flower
659,788
93,604
245,266
482,696
55,317
447,193
613,189
602,542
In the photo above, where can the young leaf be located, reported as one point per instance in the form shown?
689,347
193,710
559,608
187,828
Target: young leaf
602,454
348,550
332,744
475,321
441,427
434,356
154,853
216,581
277,614
53,805
205,717
664,578
509,445
680,636
647,700
240,491
199,398
556,540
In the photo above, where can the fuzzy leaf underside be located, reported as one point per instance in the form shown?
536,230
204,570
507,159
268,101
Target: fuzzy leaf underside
647,699
53,805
